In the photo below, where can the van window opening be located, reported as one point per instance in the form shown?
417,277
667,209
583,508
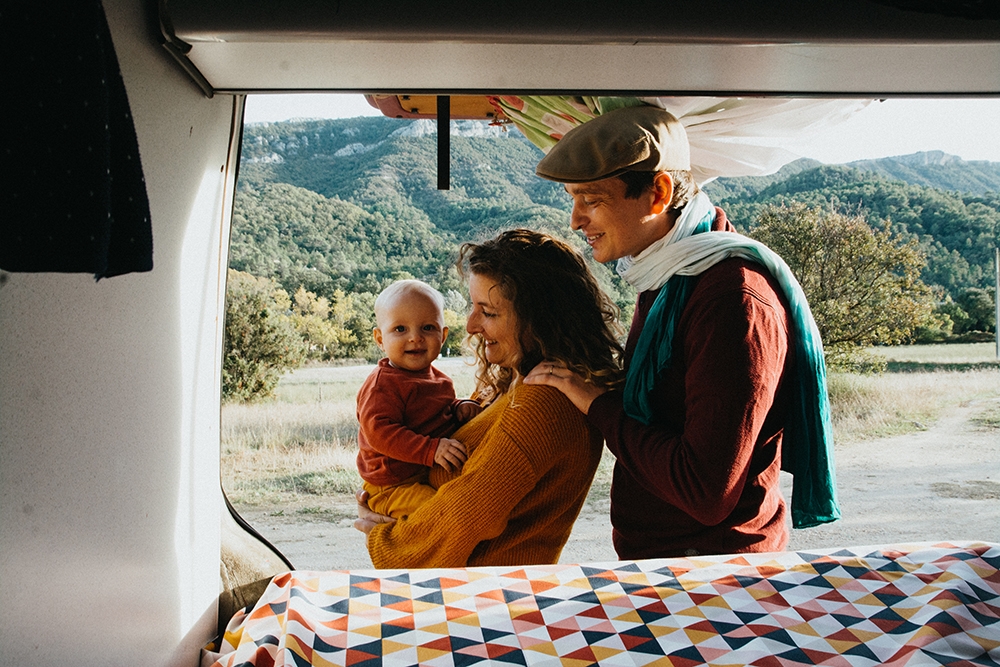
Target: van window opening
308,183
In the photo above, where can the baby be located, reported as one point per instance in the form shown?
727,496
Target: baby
406,407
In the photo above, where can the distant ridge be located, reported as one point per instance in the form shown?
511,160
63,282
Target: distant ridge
352,203
932,169
937,169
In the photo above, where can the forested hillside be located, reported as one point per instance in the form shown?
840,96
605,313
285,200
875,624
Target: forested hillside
353,204
346,206
956,231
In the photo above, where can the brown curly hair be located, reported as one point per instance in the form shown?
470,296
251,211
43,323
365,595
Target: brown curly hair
563,314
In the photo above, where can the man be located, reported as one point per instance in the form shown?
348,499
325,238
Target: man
713,374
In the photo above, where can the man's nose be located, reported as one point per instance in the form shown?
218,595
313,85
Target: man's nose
576,219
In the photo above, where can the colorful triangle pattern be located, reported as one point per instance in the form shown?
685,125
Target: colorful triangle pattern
919,604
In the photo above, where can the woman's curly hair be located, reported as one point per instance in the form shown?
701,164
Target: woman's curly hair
562,312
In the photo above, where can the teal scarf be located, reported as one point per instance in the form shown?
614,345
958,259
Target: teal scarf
807,444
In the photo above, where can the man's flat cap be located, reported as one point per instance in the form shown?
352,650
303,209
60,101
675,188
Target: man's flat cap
642,138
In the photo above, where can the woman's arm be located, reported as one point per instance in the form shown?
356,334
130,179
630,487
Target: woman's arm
472,508
524,437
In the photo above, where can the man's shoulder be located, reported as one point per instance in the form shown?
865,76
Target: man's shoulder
739,278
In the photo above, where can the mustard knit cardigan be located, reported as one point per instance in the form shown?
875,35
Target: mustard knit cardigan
532,457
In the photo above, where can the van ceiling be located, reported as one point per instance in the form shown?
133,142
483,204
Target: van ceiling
822,47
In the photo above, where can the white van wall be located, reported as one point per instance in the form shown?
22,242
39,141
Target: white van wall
109,408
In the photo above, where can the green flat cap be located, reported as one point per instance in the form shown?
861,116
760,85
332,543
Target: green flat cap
643,138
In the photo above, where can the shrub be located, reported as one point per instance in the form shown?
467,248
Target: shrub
260,341
862,284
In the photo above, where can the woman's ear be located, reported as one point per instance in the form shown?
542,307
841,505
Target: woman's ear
663,193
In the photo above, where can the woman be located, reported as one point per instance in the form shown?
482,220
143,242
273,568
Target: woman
532,455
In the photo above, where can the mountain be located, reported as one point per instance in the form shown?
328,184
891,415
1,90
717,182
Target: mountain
933,169
352,204
386,169
937,169
957,231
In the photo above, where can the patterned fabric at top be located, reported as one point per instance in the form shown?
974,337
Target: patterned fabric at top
733,136
898,605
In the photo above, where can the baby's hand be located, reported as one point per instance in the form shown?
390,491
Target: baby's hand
450,454
466,410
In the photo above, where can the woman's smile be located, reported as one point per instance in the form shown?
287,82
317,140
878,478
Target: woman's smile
493,319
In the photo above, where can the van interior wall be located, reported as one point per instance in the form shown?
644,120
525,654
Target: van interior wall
109,407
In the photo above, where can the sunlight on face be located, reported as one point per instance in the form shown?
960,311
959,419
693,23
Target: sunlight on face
411,331
493,318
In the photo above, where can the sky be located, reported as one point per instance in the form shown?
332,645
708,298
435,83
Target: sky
968,128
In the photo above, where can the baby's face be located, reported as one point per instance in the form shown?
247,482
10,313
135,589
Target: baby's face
411,331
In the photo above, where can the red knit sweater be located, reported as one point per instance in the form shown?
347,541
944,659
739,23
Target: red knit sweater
402,415
702,478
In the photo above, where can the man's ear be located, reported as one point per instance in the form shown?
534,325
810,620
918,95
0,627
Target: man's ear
663,193
377,334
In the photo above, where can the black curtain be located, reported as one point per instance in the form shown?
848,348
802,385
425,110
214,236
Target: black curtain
74,197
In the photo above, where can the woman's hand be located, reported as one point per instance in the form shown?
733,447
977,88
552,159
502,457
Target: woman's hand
578,390
367,519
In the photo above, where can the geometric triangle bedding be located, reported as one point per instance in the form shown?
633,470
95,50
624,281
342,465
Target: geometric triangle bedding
930,604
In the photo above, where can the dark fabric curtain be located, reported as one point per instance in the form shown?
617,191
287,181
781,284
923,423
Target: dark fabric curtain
74,196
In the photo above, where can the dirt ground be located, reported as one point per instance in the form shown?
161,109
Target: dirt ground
941,484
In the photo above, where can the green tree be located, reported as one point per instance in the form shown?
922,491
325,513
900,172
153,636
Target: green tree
862,284
260,341
980,307
456,333
310,316
353,315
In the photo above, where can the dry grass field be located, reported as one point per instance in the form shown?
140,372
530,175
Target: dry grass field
291,460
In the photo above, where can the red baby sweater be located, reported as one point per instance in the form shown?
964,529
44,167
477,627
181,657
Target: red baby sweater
702,478
402,415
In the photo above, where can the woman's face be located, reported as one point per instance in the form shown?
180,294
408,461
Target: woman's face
493,318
